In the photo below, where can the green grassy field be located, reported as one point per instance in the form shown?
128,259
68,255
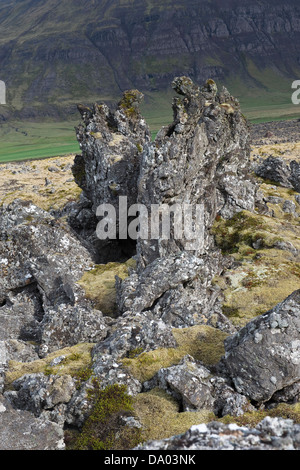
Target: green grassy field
32,140
26,140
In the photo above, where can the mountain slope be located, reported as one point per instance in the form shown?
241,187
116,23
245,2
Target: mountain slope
56,53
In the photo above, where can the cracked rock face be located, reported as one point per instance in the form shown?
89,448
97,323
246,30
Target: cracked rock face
195,388
201,159
20,430
40,262
264,356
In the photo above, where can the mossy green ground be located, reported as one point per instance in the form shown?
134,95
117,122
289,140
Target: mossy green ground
102,430
34,140
30,183
77,359
99,284
204,343
265,274
161,417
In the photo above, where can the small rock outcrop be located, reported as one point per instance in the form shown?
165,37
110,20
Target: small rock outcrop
41,304
278,170
20,430
202,160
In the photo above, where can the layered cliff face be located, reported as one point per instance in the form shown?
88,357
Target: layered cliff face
52,54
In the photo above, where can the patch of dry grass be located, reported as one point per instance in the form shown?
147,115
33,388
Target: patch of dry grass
76,358
27,181
161,418
204,343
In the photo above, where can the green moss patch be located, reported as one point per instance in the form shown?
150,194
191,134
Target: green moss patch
130,103
100,284
204,343
77,359
102,429
161,418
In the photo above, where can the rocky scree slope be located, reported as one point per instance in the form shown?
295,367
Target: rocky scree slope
164,354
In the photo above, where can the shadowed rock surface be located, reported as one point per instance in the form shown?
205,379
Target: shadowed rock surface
20,430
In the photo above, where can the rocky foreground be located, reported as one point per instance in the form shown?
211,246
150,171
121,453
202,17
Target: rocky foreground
153,343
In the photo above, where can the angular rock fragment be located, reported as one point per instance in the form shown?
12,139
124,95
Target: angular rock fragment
264,356
286,173
39,392
20,430
40,262
196,388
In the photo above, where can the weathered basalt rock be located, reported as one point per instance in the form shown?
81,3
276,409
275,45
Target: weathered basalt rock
269,434
201,159
38,392
111,144
41,260
108,167
264,356
195,387
286,173
21,430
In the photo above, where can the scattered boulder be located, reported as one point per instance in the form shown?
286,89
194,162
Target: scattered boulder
289,207
264,356
285,173
39,392
195,387
40,261
21,430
